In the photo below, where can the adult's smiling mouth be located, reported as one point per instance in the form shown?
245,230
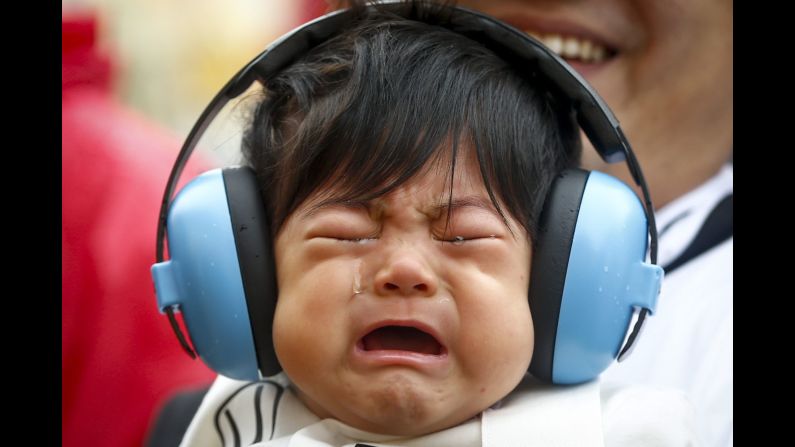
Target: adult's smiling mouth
584,49
575,48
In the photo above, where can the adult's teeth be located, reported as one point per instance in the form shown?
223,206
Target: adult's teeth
586,50
572,47
599,53
554,42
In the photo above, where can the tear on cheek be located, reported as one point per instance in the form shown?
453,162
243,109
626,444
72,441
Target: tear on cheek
357,277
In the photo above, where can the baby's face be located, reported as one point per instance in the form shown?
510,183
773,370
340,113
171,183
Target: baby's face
384,326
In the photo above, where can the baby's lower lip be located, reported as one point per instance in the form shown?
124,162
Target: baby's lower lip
434,365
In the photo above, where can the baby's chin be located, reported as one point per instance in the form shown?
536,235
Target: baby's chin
402,407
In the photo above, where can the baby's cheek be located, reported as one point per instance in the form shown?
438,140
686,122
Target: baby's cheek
309,325
497,343
293,343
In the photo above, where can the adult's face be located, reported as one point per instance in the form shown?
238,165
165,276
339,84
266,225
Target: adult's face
664,68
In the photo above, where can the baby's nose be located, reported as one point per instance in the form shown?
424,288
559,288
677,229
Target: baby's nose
406,273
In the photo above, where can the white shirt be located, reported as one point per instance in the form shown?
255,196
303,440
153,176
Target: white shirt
687,343
268,414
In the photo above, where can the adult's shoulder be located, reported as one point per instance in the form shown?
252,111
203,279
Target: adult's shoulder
651,417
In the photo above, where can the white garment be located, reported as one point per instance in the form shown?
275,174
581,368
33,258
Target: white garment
268,414
687,343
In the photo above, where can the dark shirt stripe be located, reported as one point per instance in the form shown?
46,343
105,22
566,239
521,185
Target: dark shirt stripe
279,392
258,411
235,432
222,407
717,227
672,222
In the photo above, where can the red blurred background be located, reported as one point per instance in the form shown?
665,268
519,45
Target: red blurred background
119,359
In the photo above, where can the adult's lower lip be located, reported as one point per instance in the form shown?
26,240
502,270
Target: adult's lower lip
588,70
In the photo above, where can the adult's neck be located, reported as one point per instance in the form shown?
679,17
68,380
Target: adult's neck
669,174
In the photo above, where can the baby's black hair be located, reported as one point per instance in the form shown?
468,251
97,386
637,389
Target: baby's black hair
366,110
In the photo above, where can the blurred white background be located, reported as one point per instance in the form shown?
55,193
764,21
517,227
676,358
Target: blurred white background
172,56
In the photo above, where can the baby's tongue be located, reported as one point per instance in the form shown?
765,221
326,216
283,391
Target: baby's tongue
399,338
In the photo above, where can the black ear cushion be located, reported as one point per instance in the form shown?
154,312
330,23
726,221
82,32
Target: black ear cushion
550,263
257,264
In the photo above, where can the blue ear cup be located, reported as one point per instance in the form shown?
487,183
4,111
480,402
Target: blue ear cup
221,272
588,274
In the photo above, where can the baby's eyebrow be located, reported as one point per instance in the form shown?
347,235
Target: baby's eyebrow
334,202
478,202
466,201
437,210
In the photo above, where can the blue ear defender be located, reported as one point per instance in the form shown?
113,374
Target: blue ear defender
221,273
588,276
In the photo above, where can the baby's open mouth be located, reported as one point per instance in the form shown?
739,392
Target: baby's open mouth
401,338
